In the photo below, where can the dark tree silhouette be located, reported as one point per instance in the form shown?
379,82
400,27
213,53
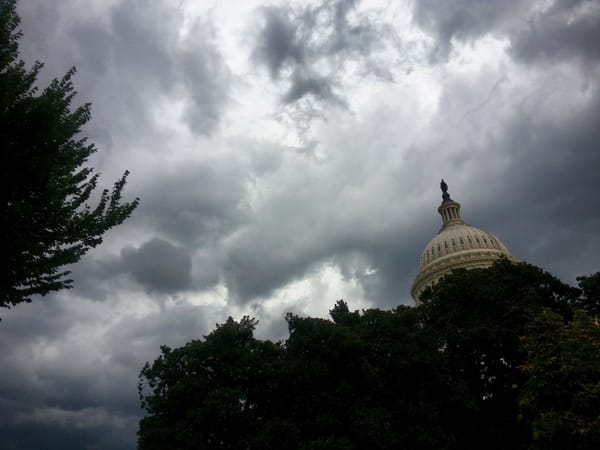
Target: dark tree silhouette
561,399
368,380
470,368
45,184
478,317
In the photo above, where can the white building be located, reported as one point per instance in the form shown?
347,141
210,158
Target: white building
457,245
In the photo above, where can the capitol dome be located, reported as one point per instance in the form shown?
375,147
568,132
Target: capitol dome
457,245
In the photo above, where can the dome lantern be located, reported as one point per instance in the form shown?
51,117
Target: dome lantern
449,209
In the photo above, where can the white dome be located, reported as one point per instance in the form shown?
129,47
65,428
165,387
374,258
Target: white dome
456,239
457,245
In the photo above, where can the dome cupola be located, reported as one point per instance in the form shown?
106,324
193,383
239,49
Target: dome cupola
457,245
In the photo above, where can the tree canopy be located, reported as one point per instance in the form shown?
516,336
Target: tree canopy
45,183
561,397
472,367
368,380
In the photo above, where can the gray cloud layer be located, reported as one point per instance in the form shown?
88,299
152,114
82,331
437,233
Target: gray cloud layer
159,266
565,30
227,221
561,29
131,56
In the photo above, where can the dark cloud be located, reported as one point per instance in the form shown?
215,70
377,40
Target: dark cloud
318,87
159,266
55,393
396,267
553,184
255,269
25,435
310,47
461,20
538,31
307,228
70,377
197,203
279,42
130,56
146,42
266,257
566,29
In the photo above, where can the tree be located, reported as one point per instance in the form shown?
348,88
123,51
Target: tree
210,393
376,380
590,300
475,366
45,185
367,380
561,399
478,317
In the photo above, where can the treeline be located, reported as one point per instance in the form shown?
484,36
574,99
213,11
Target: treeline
501,358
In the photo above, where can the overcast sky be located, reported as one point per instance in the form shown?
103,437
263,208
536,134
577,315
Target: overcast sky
287,155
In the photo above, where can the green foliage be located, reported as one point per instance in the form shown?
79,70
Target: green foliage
475,366
374,382
208,393
590,300
478,317
561,398
45,185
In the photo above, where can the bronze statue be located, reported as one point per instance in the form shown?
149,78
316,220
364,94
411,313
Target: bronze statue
445,195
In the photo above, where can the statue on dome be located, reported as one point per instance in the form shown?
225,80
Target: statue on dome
444,188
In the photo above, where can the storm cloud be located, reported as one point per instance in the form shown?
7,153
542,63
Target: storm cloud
158,265
130,57
310,48
287,155
564,30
